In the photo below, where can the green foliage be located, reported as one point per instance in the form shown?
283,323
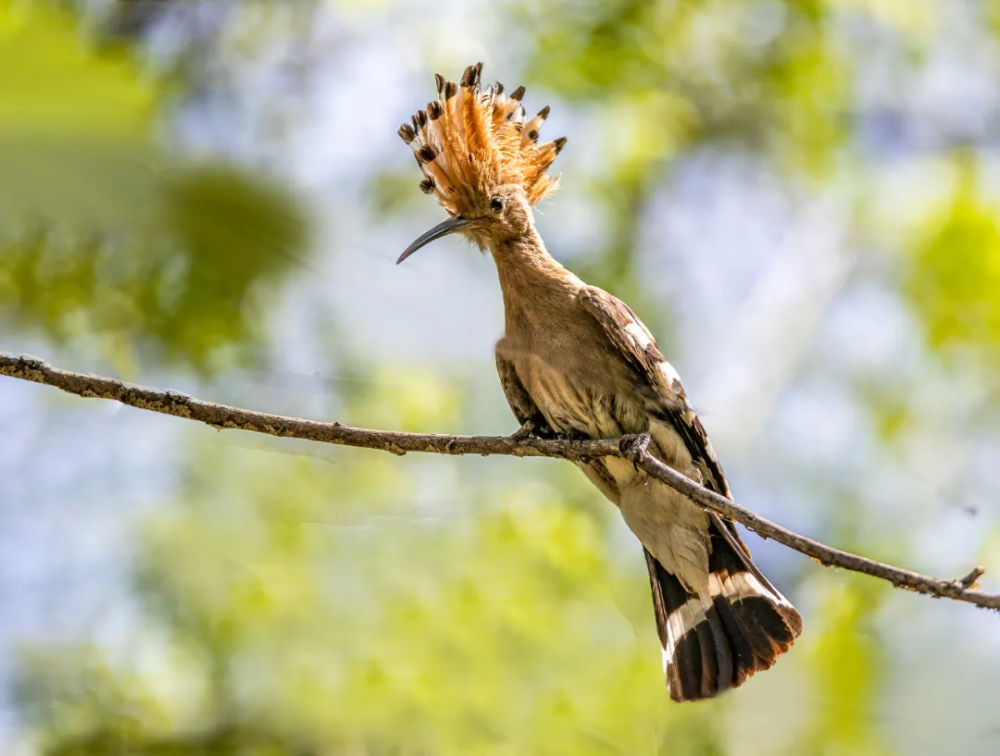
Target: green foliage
846,662
289,620
293,606
675,74
954,280
51,82
101,233
672,78
72,687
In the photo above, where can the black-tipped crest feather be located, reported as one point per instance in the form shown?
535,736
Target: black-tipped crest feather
470,142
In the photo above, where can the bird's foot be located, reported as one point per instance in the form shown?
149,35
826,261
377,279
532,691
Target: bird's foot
634,446
528,430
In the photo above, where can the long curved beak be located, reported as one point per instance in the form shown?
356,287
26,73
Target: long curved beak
450,226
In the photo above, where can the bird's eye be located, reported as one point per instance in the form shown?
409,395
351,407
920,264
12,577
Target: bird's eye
496,204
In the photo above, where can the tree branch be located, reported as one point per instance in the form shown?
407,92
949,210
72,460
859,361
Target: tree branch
222,416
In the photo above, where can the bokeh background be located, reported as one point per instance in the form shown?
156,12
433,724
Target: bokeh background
800,197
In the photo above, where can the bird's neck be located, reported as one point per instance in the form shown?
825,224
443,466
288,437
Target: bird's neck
530,278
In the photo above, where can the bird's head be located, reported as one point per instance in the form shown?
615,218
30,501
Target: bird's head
481,160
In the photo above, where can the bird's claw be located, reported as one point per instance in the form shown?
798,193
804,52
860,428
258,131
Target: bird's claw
635,445
525,431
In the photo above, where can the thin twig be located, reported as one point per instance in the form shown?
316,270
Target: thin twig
222,416
970,580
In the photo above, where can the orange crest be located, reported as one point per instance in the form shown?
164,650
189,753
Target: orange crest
468,141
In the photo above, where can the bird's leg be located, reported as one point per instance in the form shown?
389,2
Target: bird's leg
634,446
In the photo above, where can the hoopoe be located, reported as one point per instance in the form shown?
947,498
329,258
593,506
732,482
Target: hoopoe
575,362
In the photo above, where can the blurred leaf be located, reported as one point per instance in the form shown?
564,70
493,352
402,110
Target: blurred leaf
678,77
50,82
70,688
954,280
724,70
100,232
183,271
846,658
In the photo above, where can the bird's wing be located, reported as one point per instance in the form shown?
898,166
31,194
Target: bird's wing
661,385
633,341
521,403
666,399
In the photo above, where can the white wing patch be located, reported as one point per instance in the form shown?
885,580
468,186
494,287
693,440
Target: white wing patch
669,374
710,451
639,335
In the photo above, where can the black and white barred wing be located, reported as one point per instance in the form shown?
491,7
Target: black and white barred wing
714,635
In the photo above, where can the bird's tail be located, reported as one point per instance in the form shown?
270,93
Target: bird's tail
738,625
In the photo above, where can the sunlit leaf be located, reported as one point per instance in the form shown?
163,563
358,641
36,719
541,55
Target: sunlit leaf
954,281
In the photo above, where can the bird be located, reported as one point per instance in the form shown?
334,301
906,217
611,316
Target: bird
575,362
